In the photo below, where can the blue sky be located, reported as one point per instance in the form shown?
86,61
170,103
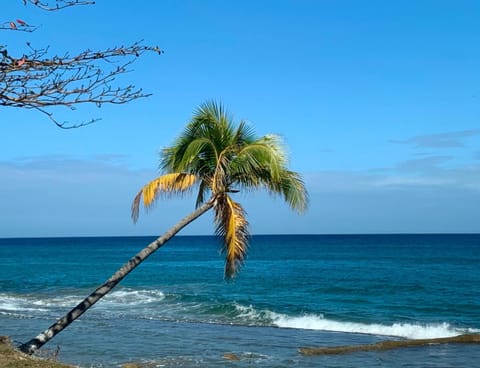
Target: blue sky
378,102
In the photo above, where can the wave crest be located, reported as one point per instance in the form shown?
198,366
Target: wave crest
320,323
406,330
27,304
134,297
154,304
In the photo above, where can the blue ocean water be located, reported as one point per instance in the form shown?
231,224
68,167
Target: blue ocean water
175,310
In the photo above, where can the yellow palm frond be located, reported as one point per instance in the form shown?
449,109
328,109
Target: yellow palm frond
232,225
173,183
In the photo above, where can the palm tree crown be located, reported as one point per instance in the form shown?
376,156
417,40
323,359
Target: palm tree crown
221,158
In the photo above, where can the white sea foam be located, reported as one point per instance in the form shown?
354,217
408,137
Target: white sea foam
247,312
67,301
124,297
252,316
406,330
30,303
134,297
9,303
318,322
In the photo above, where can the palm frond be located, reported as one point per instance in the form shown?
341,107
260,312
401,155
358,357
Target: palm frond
244,134
202,190
293,190
232,226
173,183
263,164
258,164
264,154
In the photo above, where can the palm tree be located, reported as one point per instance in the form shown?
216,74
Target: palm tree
218,158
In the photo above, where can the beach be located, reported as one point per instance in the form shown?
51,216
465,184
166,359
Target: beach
176,310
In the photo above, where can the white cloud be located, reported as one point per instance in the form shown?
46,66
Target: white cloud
393,202
422,172
399,181
440,140
423,165
71,196
63,195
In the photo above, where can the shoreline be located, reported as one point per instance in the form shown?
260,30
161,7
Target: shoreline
12,358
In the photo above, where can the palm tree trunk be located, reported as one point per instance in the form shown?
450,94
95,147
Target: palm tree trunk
34,344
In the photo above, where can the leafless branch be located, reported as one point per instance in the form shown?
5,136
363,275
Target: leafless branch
34,81
21,25
58,4
17,25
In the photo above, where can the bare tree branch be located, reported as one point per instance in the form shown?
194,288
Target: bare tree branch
35,80
59,4
17,25
21,25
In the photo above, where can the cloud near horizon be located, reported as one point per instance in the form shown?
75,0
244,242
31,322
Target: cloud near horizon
72,196
428,171
440,140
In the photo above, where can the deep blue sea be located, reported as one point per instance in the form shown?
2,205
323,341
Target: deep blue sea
176,310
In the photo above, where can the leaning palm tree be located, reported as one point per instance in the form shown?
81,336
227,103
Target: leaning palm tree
219,159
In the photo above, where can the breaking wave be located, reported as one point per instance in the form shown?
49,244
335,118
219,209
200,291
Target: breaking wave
318,322
30,304
154,304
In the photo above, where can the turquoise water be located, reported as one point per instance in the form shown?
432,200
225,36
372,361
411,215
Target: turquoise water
176,310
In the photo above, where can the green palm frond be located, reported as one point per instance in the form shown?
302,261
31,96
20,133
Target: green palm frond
202,191
244,134
293,190
260,158
232,226
223,157
173,183
263,164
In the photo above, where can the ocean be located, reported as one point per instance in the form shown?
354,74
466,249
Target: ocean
176,310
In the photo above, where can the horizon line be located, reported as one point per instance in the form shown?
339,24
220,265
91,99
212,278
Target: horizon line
252,235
